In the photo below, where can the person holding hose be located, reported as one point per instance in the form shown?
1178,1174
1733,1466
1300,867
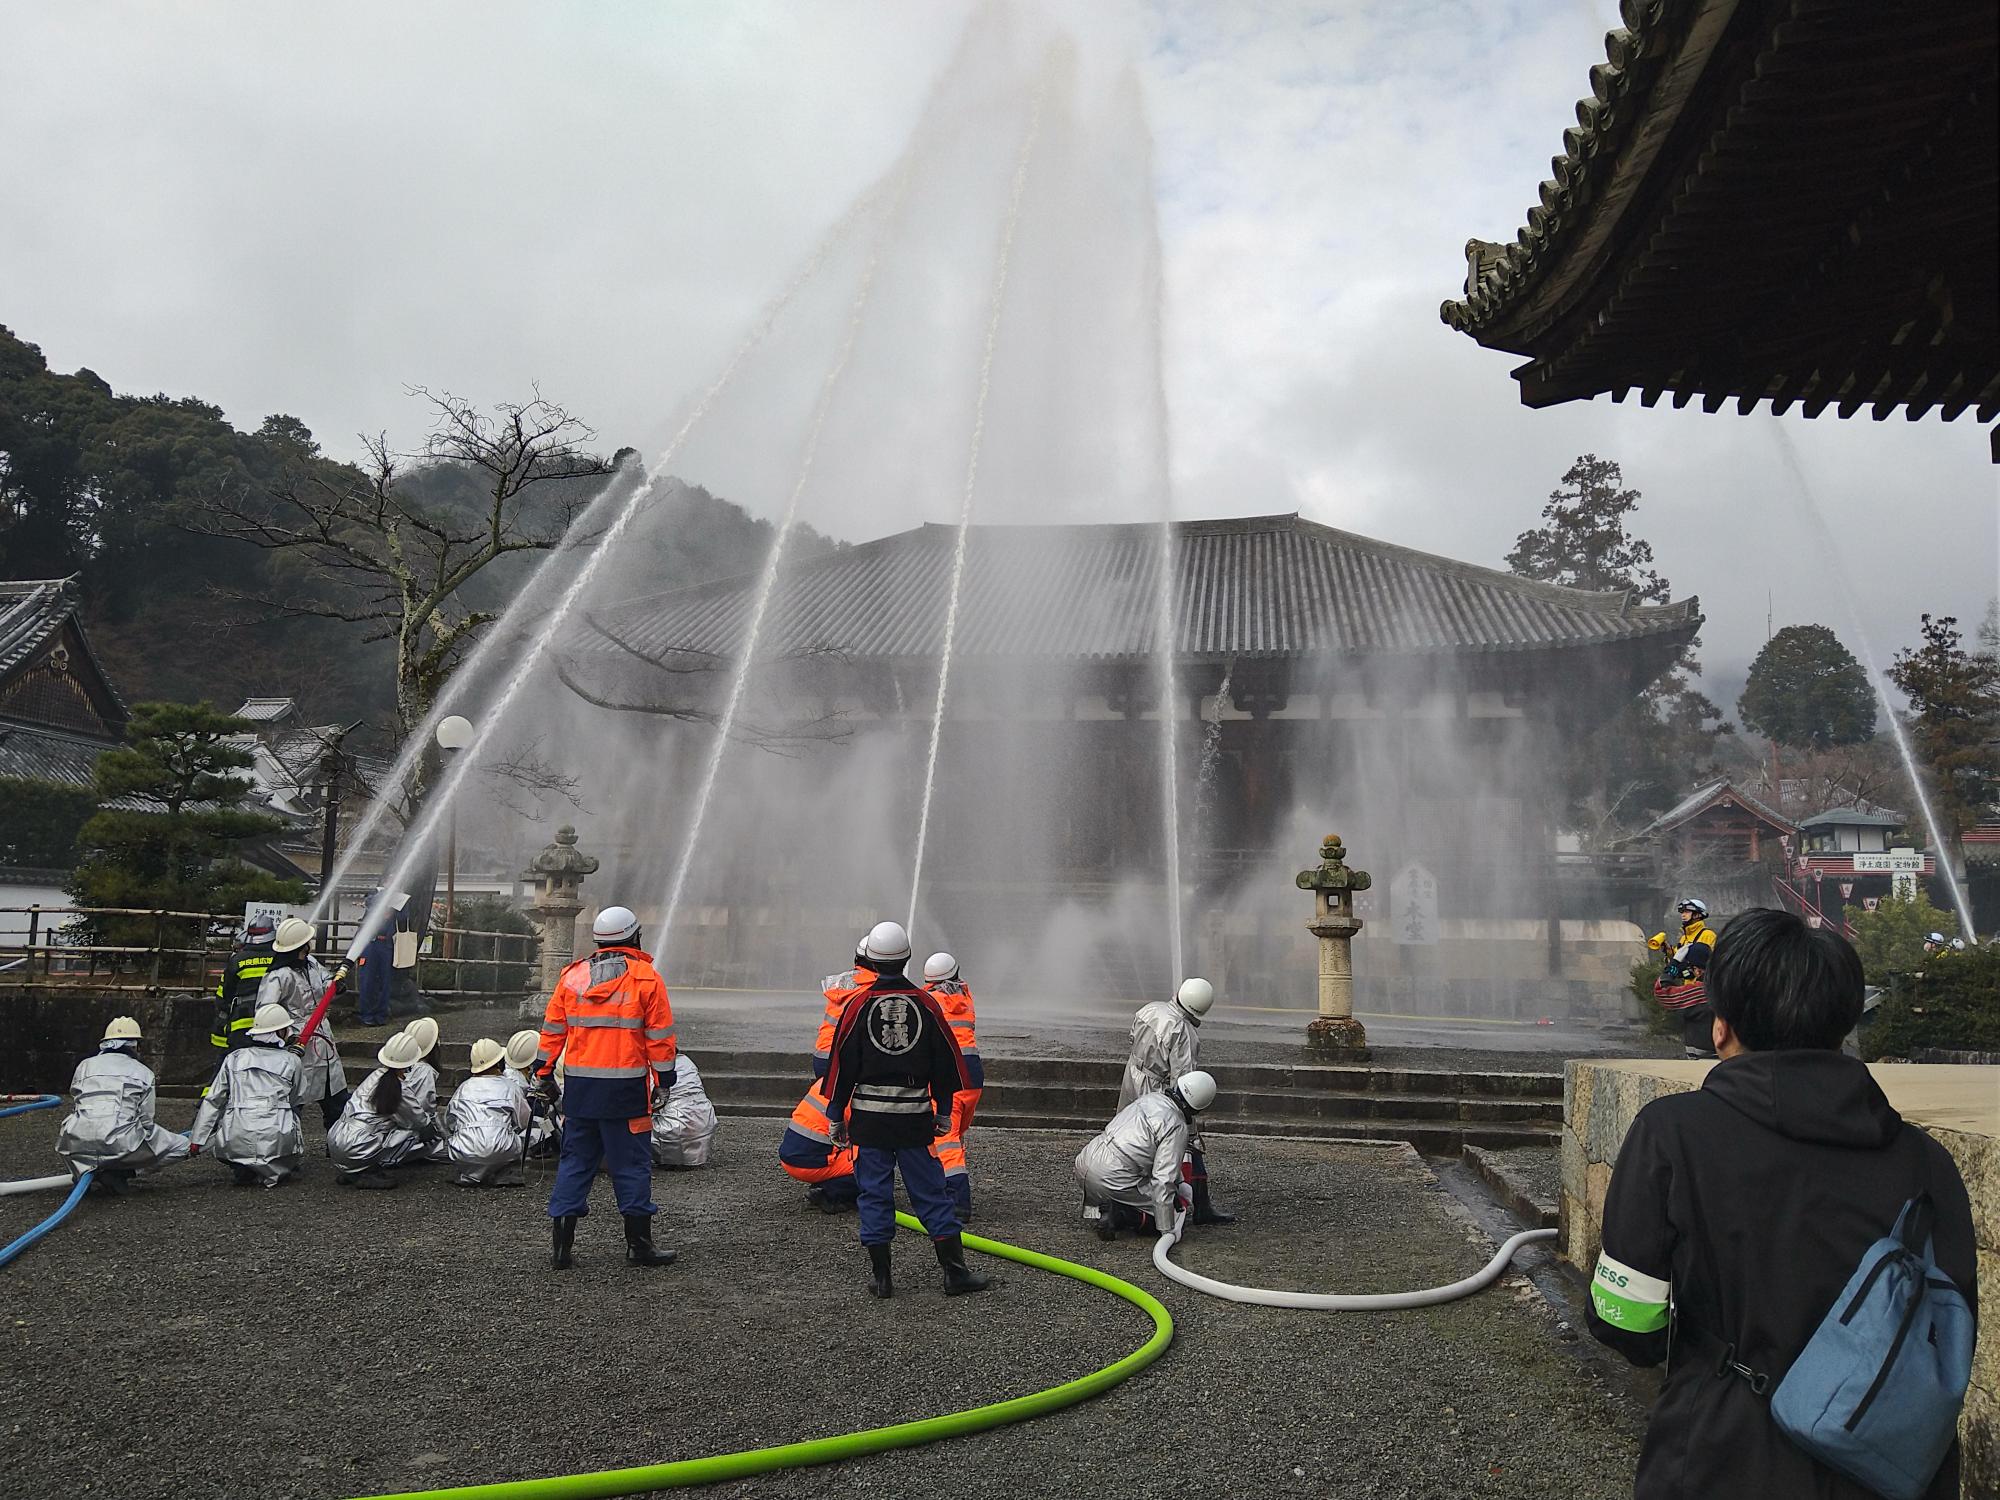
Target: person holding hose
236,991
112,1132
1166,1038
895,1071
610,1024
296,980
1680,987
1133,1168
251,1111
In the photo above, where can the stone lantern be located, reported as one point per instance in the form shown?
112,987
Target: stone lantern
558,873
1333,886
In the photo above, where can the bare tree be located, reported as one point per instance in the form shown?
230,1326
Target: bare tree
369,546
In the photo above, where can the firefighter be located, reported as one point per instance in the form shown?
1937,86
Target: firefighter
683,1119
386,1124
808,1154
1132,1170
1166,1038
236,991
954,996
421,1083
251,1111
296,980
542,1118
113,1132
486,1128
839,989
1681,987
610,1023
895,1071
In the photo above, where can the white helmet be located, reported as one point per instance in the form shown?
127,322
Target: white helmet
122,1029
399,1051
293,935
615,924
887,940
1935,938
1195,996
424,1032
1692,903
940,966
271,1019
522,1048
487,1055
1197,1090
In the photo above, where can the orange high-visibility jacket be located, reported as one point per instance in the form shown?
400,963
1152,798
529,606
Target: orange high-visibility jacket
838,989
954,996
610,1022
807,1152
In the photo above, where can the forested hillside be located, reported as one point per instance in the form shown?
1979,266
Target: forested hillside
111,486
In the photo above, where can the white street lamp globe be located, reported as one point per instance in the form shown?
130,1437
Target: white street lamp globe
454,733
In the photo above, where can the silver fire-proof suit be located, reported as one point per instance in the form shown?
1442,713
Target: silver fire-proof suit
542,1124
1136,1159
1165,1039
486,1129
361,1138
113,1125
251,1113
298,989
684,1123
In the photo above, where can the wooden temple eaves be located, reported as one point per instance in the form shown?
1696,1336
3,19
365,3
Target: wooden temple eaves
1784,201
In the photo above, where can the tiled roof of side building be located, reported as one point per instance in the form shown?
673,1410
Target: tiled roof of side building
1268,586
33,610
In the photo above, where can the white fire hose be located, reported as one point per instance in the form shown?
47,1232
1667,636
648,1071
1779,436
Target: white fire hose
36,1184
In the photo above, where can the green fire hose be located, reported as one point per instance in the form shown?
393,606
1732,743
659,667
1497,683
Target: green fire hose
721,1466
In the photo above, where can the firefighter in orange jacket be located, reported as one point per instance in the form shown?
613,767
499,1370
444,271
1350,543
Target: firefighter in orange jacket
808,1154
610,1023
839,989
954,996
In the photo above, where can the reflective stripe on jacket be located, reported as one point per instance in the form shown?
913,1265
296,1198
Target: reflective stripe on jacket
838,989
807,1152
610,1022
236,994
954,996
895,1065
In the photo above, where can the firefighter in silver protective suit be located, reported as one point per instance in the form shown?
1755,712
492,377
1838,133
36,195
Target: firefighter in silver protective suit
383,1126
683,1120
1166,1038
250,1114
486,1128
1133,1169
420,1084
113,1132
544,1124
296,980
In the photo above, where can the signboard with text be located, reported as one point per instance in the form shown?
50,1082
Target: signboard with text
1895,862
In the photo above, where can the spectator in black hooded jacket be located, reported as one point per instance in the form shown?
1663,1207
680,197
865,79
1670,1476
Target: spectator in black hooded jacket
1745,1206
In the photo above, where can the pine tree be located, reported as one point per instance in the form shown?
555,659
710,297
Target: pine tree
1954,721
1807,692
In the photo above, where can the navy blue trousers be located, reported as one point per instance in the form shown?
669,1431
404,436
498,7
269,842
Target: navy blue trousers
621,1149
875,1169
371,983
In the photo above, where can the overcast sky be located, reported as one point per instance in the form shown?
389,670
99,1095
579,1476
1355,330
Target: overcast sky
307,207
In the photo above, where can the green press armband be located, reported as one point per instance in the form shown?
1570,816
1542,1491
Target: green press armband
1628,1299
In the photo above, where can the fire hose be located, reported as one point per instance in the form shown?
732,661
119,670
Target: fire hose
20,1104
13,1252
721,1466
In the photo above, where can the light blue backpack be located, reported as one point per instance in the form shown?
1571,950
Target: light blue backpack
1877,1390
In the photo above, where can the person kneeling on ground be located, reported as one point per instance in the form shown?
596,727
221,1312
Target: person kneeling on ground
1132,1172
683,1119
251,1111
420,1084
544,1122
808,1155
486,1128
1737,1213
382,1126
896,1064
113,1132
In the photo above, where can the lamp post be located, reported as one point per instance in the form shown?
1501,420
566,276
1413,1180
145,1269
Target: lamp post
453,735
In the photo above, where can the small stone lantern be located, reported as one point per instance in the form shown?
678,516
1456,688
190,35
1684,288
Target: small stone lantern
558,873
1333,886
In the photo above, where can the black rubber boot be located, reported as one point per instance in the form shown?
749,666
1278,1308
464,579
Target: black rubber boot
562,1235
1205,1211
639,1249
957,1279
879,1284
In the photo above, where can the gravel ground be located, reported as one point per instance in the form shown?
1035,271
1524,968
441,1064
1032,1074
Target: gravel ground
200,1340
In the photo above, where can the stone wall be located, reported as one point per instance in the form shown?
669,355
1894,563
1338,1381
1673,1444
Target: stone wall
44,1035
1959,1106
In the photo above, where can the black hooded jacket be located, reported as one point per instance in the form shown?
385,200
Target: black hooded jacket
1755,1197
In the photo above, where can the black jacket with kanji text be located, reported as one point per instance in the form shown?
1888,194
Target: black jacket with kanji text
1734,1218
895,1065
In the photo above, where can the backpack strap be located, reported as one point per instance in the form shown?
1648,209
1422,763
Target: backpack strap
1914,1225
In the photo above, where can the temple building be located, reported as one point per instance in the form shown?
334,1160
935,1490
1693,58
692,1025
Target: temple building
1792,201
1414,701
